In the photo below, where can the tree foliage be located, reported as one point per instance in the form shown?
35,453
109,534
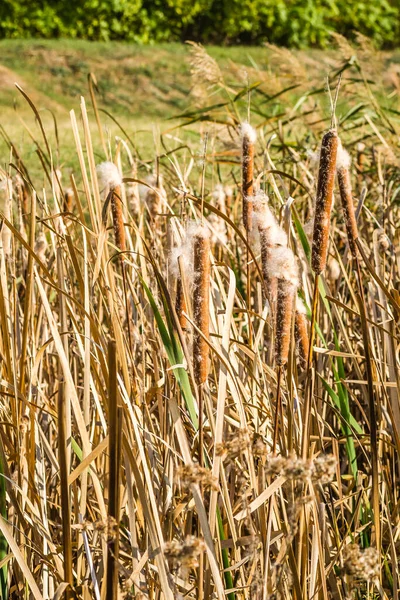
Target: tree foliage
295,23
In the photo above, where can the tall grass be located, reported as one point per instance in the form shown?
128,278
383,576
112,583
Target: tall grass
193,407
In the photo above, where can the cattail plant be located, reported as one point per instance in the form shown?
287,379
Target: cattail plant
110,183
249,137
300,332
346,196
283,266
271,236
201,291
323,205
181,268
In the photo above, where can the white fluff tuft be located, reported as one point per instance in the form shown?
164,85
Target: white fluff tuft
185,250
343,159
263,219
300,306
248,132
108,175
283,265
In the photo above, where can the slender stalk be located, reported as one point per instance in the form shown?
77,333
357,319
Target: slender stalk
114,457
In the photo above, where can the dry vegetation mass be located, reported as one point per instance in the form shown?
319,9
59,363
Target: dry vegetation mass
200,391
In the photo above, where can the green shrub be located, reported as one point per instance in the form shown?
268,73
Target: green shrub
295,23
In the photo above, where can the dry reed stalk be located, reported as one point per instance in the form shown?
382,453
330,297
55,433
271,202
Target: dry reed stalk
323,205
248,141
114,458
63,461
201,254
343,175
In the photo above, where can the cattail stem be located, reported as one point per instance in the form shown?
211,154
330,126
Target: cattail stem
323,206
201,316
118,218
372,410
114,452
307,396
278,409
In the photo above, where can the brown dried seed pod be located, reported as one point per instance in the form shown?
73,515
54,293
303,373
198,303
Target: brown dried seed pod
248,138
323,205
346,197
301,335
180,304
201,249
68,200
118,218
284,312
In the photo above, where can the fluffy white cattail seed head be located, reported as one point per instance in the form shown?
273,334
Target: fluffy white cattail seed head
283,265
248,132
343,160
108,175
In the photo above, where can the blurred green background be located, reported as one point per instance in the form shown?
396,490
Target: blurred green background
292,23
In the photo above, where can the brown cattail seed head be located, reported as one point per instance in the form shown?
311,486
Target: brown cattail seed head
284,312
323,206
201,252
118,219
300,332
283,266
180,304
346,196
248,140
68,199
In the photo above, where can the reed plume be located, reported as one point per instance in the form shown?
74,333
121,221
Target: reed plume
323,206
201,252
249,137
346,196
